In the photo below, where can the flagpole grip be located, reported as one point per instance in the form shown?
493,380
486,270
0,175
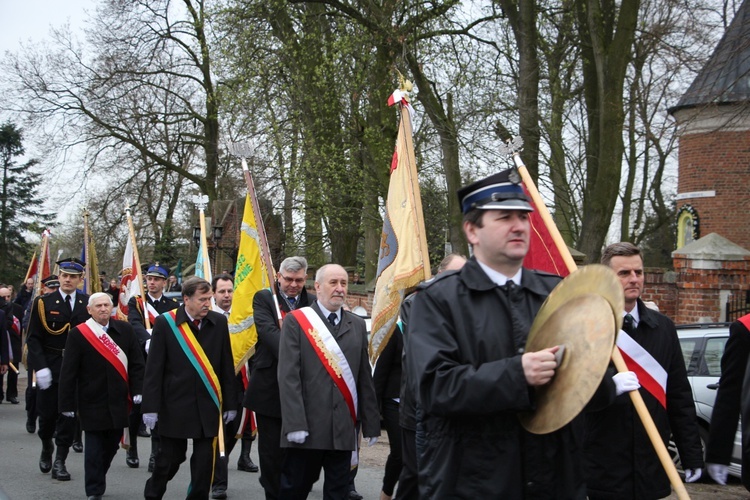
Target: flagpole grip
545,215
652,431
635,396
222,454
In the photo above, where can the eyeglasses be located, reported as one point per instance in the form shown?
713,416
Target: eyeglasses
298,281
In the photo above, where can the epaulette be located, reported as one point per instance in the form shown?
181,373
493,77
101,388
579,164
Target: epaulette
426,284
174,300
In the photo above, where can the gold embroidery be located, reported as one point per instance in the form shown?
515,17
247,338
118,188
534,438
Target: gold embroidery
332,359
43,318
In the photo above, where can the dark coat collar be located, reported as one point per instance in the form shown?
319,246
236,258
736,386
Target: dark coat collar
476,279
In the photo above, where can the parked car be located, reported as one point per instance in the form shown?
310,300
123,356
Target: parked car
702,349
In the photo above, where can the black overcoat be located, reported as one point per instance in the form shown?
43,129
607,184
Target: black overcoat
173,388
102,402
262,394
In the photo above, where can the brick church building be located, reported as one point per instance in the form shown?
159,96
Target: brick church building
711,277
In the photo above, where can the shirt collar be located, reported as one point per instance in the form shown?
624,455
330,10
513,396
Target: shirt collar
636,316
154,299
327,313
499,278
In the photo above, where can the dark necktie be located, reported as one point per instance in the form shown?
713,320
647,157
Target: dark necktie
332,319
67,301
627,324
197,324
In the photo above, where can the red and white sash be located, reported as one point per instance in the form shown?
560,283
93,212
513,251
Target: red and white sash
108,348
651,375
150,310
104,345
745,320
330,354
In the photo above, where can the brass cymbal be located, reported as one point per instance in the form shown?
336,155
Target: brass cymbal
583,313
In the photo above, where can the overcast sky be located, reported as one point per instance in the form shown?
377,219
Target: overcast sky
23,20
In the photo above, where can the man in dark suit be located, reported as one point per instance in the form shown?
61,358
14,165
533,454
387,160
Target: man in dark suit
262,395
223,288
50,284
156,304
189,384
52,317
729,399
101,372
326,390
13,316
619,458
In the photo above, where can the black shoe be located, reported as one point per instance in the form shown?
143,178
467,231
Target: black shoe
45,461
219,492
95,497
353,495
143,431
151,463
132,458
13,400
246,464
30,426
59,471
77,446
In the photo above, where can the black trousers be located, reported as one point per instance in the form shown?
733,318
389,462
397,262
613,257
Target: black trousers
270,454
51,421
408,486
393,464
101,447
171,455
302,468
30,397
221,470
12,388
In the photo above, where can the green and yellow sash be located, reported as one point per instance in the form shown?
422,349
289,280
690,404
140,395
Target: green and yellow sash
196,356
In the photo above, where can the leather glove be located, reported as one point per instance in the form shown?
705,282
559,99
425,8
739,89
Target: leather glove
137,399
625,382
718,473
148,345
371,441
69,414
229,416
692,475
44,378
297,436
150,419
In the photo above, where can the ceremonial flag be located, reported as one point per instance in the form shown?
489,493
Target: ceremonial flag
403,260
129,285
543,255
250,275
201,269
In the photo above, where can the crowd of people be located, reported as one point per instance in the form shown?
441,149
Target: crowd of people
449,385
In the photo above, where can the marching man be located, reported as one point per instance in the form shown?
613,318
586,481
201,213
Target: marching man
101,375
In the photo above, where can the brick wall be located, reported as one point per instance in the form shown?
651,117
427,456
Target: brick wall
718,161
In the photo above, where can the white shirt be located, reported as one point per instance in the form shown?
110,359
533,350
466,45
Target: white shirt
499,278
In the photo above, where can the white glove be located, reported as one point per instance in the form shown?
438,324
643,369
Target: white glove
718,473
137,399
692,475
625,382
229,416
371,441
44,378
69,414
297,436
148,345
150,419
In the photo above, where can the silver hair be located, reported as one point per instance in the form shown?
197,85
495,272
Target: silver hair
323,269
293,264
97,295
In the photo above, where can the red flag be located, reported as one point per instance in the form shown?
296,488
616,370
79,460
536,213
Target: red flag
543,253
